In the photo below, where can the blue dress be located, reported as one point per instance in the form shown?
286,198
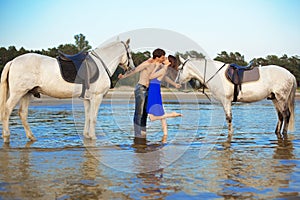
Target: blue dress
154,105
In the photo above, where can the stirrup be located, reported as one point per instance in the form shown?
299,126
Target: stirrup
84,98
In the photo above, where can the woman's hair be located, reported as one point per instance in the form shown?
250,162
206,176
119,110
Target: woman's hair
173,62
157,53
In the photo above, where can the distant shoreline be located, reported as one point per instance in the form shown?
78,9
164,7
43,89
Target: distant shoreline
127,96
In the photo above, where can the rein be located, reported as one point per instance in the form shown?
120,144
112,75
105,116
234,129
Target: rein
205,82
128,56
105,66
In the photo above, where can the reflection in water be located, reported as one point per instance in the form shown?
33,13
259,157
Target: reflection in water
284,150
247,173
18,175
60,165
149,172
284,170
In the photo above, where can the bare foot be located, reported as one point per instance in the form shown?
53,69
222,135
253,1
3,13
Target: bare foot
167,115
173,114
177,114
164,139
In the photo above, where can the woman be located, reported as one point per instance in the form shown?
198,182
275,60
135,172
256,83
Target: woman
155,108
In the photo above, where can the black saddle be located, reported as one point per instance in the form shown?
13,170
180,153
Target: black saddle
241,74
79,68
248,67
77,59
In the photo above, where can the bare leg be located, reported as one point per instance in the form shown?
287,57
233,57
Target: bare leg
165,130
23,113
167,115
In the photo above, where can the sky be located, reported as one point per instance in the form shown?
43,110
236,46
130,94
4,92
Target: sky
254,28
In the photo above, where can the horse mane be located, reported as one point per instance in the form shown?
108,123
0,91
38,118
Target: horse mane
108,45
207,59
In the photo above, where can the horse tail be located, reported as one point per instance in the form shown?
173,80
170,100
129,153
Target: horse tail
291,105
4,88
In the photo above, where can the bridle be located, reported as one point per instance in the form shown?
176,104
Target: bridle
126,66
204,76
180,70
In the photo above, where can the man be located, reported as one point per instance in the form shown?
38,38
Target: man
141,93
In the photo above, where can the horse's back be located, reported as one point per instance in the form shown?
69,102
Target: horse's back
32,68
276,73
33,62
33,59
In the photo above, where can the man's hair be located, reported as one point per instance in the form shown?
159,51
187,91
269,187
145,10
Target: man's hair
157,53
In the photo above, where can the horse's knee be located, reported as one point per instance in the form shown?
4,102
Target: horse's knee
86,135
229,118
6,139
90,136
31,137
287,114
93,137
22,113
280,116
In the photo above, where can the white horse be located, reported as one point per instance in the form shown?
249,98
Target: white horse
42,73
275,82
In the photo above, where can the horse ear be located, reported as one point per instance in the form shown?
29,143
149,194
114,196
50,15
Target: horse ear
181,59
128,41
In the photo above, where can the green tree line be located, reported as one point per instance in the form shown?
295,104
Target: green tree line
11,52
290,63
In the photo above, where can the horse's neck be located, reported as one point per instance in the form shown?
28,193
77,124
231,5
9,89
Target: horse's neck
110,56
207,71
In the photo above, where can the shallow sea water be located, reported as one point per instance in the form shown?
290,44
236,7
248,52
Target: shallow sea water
197,162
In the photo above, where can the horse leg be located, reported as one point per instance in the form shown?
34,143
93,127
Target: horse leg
10,104
23,113
286,119
95,103
279,125
228,114
87,118
280,113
